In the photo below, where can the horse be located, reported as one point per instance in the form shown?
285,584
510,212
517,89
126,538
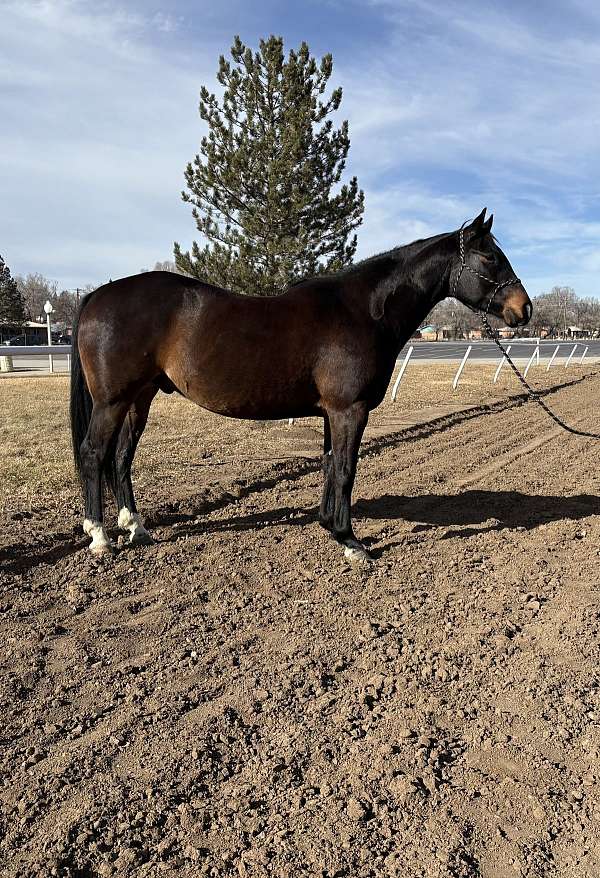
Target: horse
325,347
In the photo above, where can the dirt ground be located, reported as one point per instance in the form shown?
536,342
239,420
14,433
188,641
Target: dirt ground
237,700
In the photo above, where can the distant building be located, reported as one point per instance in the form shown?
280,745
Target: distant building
434,333
34,333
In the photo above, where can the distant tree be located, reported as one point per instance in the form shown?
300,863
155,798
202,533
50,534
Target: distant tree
65,306
167,265
564,308
265,188
36,290
553,313
12,306
455,316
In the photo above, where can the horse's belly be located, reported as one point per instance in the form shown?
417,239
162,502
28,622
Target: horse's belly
250,394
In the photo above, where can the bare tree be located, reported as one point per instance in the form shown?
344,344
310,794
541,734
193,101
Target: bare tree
36,289
453,314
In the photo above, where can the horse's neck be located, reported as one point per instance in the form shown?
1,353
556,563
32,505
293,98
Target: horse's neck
423,283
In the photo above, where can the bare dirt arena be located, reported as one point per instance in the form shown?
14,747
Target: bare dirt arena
237,700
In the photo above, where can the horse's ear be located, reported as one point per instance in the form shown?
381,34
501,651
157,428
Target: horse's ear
379,297
479,227
478,221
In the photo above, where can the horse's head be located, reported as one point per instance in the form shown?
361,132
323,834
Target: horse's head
482,277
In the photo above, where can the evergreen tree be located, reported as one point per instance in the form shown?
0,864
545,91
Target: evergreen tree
12,307
265,187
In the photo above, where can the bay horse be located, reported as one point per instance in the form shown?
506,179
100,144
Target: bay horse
326,347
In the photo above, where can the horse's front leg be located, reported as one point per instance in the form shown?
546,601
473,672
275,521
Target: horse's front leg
347,428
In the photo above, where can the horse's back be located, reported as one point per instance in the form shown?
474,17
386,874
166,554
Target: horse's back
234,354
244,356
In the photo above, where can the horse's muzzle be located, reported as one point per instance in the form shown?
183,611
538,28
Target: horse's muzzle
517,308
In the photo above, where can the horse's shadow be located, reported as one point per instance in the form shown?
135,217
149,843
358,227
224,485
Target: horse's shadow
472,512
464,514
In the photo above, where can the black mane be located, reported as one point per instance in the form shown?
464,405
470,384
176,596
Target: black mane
400,255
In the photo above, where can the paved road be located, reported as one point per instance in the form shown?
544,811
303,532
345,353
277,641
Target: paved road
39,364
487,350
440,351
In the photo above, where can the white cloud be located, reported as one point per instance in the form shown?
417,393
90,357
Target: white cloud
452,110
99,127
469,108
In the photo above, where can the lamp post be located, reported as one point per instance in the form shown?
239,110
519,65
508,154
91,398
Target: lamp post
49,309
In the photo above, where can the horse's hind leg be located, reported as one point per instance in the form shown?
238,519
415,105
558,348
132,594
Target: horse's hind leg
347,428
105,422
120,474
327,507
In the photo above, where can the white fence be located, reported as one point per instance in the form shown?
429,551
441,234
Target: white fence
11,354
534,357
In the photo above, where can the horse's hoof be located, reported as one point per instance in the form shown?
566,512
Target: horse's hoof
357,554
103,550
141,538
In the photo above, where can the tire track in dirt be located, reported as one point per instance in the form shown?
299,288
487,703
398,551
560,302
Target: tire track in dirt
508,457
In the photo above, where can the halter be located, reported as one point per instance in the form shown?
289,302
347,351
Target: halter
465,267
493,336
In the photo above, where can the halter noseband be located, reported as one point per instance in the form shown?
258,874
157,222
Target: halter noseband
496,286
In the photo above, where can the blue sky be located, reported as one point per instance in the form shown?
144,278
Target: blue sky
452,106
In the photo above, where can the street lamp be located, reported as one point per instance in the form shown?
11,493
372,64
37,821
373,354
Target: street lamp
49,309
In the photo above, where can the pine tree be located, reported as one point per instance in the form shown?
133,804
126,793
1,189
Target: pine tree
12,307
266,187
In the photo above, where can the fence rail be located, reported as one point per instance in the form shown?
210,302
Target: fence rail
32,350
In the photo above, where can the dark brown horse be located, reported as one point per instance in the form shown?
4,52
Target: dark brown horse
326,347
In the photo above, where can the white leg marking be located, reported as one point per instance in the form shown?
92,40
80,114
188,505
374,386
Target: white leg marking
355,552
132,522
100,542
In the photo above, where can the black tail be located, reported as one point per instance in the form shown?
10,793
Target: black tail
81,400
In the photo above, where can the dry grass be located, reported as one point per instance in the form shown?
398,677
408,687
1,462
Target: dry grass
36,466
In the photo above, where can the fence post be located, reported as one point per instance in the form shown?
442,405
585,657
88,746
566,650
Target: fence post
461,367
583,354
570,355
552,358
401,373
537,352
531,359
501,363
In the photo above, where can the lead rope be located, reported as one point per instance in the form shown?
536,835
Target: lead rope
533,394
